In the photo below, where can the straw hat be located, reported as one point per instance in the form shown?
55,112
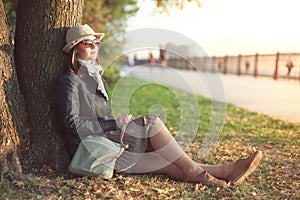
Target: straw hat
77,34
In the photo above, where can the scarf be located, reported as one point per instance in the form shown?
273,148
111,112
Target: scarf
94,71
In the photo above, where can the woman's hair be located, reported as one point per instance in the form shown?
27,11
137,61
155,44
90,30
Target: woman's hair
68,61
71,62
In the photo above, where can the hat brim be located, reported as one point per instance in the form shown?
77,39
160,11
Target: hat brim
67,48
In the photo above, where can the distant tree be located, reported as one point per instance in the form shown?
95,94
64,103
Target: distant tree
108,16
165,5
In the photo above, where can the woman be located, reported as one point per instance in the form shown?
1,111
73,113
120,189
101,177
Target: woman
85,110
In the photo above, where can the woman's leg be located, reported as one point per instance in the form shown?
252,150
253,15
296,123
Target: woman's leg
233,173
166,146
173,159
153,163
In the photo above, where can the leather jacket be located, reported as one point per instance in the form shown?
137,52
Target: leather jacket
83,110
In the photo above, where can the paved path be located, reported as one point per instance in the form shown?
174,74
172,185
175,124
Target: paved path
279,99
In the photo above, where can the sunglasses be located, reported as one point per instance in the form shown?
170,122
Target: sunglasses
89,43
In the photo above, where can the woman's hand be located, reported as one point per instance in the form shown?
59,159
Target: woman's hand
122,120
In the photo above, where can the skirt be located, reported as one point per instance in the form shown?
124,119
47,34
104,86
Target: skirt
137,138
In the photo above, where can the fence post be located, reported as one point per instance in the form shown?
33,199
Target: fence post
255,65
213,64
239,65
276,66
225,65
299,74
204,63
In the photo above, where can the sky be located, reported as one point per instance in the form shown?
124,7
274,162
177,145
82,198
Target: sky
229,27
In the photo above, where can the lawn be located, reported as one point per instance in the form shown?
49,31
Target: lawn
241,132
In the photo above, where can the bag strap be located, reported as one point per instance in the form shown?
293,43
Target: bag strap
122,144
123,129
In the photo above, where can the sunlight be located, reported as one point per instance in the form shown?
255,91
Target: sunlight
229,27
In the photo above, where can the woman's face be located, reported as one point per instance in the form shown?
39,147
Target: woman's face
87,49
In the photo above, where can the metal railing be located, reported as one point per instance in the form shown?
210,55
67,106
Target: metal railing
279,65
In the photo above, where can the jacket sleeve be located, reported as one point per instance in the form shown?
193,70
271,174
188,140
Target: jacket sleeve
69,106
107,124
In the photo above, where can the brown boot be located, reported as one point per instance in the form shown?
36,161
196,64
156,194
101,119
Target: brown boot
207,179
243,168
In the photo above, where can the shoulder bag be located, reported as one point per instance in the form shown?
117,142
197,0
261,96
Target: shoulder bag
96,156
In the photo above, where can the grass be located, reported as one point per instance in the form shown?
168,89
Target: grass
277,177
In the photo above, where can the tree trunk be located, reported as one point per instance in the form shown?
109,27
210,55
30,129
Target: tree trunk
13,126
40,37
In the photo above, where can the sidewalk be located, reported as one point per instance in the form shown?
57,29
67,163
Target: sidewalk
278,99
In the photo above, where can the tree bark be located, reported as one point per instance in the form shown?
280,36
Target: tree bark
13,126
39,39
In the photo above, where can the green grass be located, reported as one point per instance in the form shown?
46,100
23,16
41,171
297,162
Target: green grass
277,177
